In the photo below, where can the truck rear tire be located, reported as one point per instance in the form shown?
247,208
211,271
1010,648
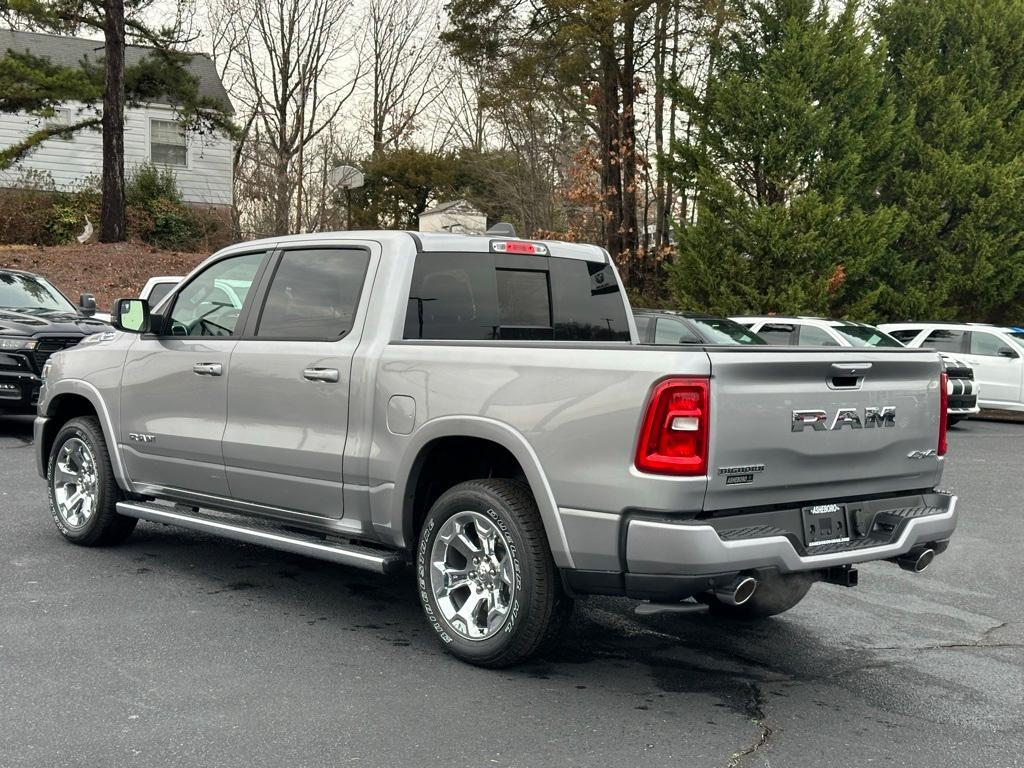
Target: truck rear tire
82,489
774,595
485,576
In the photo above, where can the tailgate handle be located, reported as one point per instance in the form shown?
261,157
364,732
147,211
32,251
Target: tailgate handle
851,368
848,375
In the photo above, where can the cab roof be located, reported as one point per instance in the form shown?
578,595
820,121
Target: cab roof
432,242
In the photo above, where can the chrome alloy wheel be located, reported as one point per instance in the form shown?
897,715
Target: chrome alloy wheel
471,575
75,483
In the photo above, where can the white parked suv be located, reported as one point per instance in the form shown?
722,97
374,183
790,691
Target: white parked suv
995,352
822,332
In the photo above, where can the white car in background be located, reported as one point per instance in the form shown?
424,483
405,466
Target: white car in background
157,288
154,291
995,352
821,332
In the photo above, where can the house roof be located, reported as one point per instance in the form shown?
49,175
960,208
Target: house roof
69,52
451,204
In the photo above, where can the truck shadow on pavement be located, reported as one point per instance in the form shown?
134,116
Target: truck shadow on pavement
15,431
737,664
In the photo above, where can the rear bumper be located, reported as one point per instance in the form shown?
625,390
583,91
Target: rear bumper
19,391
668,559
663,547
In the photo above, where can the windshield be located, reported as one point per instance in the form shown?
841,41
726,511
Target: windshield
866,336
719,330
1017,334
19,291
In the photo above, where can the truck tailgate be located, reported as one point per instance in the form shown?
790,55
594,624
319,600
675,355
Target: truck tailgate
822,424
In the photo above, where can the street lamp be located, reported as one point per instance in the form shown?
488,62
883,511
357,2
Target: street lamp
348,178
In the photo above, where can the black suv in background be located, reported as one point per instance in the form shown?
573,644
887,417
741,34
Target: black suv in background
36,320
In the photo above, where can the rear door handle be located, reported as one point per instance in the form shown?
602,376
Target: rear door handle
208,369
320,374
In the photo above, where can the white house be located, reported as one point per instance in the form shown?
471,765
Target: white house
456,216
152,132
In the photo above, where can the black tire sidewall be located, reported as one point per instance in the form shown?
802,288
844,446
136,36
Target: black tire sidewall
459,500
84,431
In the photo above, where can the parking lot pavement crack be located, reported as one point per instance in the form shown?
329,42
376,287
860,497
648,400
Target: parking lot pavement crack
984,641
755,709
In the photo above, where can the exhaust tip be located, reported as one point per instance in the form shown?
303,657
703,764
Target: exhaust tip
738,592
916,560
924,560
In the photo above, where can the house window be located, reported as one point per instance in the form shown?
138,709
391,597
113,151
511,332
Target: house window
167,143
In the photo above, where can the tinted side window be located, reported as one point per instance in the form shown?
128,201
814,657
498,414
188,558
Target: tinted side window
453,296
812,336
204,307
778,333
480,296
313,294
986,344
946,341
587,302
906,335
669,331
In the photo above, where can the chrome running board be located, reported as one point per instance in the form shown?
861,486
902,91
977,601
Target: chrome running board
343,553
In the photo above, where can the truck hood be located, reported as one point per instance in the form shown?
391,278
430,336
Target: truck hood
31,321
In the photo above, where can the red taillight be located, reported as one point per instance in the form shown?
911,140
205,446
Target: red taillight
674,434
943,408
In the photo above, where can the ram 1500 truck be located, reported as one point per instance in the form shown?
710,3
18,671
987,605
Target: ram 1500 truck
478,407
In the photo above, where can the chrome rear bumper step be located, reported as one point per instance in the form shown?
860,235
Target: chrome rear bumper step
343,553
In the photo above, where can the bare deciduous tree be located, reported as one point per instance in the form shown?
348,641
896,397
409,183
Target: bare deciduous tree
404,56
295,65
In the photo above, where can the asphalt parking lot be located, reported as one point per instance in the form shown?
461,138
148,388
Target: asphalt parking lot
178,649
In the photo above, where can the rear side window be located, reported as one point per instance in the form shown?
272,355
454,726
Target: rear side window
669,331
314,294
812,336
778,333
159,291
482,296
905,335
946,341
986,344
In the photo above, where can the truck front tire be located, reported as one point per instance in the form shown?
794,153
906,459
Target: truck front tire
485,575
82,489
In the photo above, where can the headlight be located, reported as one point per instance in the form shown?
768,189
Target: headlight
46,370
17,343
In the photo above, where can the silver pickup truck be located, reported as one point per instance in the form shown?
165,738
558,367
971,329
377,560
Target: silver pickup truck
478,407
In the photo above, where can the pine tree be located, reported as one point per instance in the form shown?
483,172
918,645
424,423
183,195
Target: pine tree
36,86
957,76
794,136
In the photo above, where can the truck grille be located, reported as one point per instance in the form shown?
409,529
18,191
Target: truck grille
50,344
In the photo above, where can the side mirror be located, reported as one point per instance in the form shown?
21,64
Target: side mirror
131,315
87,304
1007,352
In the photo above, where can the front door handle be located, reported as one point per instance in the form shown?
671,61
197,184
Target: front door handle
320,374
208,369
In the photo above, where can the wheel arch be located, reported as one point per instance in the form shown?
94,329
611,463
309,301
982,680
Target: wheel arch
480,438
73,398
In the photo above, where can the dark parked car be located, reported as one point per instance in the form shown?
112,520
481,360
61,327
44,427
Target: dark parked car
36,320
659,326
